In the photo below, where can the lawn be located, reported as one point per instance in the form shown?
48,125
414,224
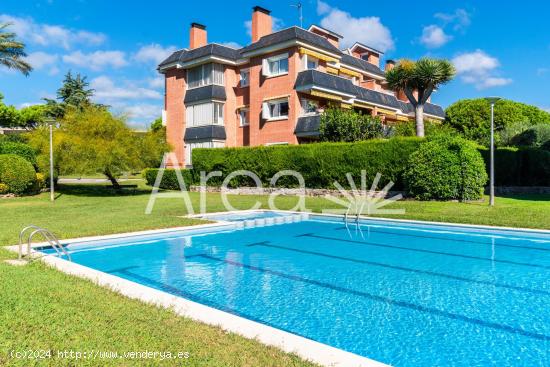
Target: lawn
41,308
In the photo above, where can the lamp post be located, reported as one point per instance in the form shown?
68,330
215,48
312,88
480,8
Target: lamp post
51,122
492,101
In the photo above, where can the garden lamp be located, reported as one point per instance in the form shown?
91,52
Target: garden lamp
492,101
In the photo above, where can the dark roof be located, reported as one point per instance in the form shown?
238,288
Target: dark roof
329,81
361,64
308,125
208,92
205,132
212,49
289,34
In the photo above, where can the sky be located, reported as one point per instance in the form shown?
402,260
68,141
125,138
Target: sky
501,50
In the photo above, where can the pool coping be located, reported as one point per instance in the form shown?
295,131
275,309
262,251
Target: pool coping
308,349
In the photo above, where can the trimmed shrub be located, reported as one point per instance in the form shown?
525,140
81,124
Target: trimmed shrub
520,166
17,173
446,168
20,149
320,164
535,136
4,189
169,179
342,125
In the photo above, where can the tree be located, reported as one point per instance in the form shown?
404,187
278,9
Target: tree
73,93
32,116
91,140
157,124
12,51
418,80
472,118
340,125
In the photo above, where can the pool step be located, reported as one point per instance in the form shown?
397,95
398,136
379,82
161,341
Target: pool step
263,222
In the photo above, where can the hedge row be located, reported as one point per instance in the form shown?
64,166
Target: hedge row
320,164
520,167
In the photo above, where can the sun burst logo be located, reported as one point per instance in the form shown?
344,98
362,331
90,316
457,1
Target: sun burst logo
357,202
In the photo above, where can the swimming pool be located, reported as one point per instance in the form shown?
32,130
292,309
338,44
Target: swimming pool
405,294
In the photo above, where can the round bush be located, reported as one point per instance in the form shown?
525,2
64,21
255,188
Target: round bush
446,168
20,149
4,189
17,173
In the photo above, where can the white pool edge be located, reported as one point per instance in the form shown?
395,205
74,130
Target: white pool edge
305,348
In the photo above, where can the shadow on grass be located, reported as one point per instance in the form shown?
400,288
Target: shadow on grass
527,197
100,190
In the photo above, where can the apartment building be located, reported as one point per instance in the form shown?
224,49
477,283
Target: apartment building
273,90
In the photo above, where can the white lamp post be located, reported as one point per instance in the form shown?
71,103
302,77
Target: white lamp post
51,122
492,101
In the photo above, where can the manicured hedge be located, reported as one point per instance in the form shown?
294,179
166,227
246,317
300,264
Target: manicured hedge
20,149
169,178
17,174
446,168
520,167
320,164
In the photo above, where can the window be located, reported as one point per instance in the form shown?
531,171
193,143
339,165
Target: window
276,65
311,62
309,106
210,113
189,146
206,74
245,78
275,110
244,117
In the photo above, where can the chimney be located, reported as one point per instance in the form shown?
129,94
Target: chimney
390,64
261,23
197,36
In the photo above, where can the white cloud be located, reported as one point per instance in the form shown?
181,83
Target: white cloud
97,60
460,19
478,68
157,82
154,53
367,30
51,35
143,111
434,36
106,91
231,44
277,24
39,60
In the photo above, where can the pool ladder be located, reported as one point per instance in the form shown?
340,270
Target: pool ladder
48,235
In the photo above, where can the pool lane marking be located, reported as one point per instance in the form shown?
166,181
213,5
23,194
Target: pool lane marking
383,265
374,297
451,239
425,251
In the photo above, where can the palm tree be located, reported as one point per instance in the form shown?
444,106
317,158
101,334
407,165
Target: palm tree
422,77
12,51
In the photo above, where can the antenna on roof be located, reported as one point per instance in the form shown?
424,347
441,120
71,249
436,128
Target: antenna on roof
299,7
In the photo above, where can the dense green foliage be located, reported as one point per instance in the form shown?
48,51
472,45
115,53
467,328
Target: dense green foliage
520,166
92,140
17,173
472,118
431,128
534,136
320,164
28,117
169,178
346,125
20,149
446,168
73,94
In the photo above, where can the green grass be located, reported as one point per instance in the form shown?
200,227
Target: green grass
41,308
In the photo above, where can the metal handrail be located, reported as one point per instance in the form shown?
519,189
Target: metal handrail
49,236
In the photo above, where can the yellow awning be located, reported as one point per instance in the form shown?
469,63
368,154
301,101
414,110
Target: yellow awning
364,105
350,72
326,95
345,105
386,112
320,56
402,118
332,70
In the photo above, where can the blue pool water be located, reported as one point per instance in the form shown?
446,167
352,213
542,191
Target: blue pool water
402,294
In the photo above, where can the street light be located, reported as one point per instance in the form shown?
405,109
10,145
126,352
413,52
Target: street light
492,101
51,122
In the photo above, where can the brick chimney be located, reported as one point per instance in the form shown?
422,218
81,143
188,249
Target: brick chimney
197,36
262,23
390,64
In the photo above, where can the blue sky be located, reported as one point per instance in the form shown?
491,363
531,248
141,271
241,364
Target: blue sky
498,50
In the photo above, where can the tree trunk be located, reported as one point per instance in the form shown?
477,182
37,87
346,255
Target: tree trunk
419,115
113,180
